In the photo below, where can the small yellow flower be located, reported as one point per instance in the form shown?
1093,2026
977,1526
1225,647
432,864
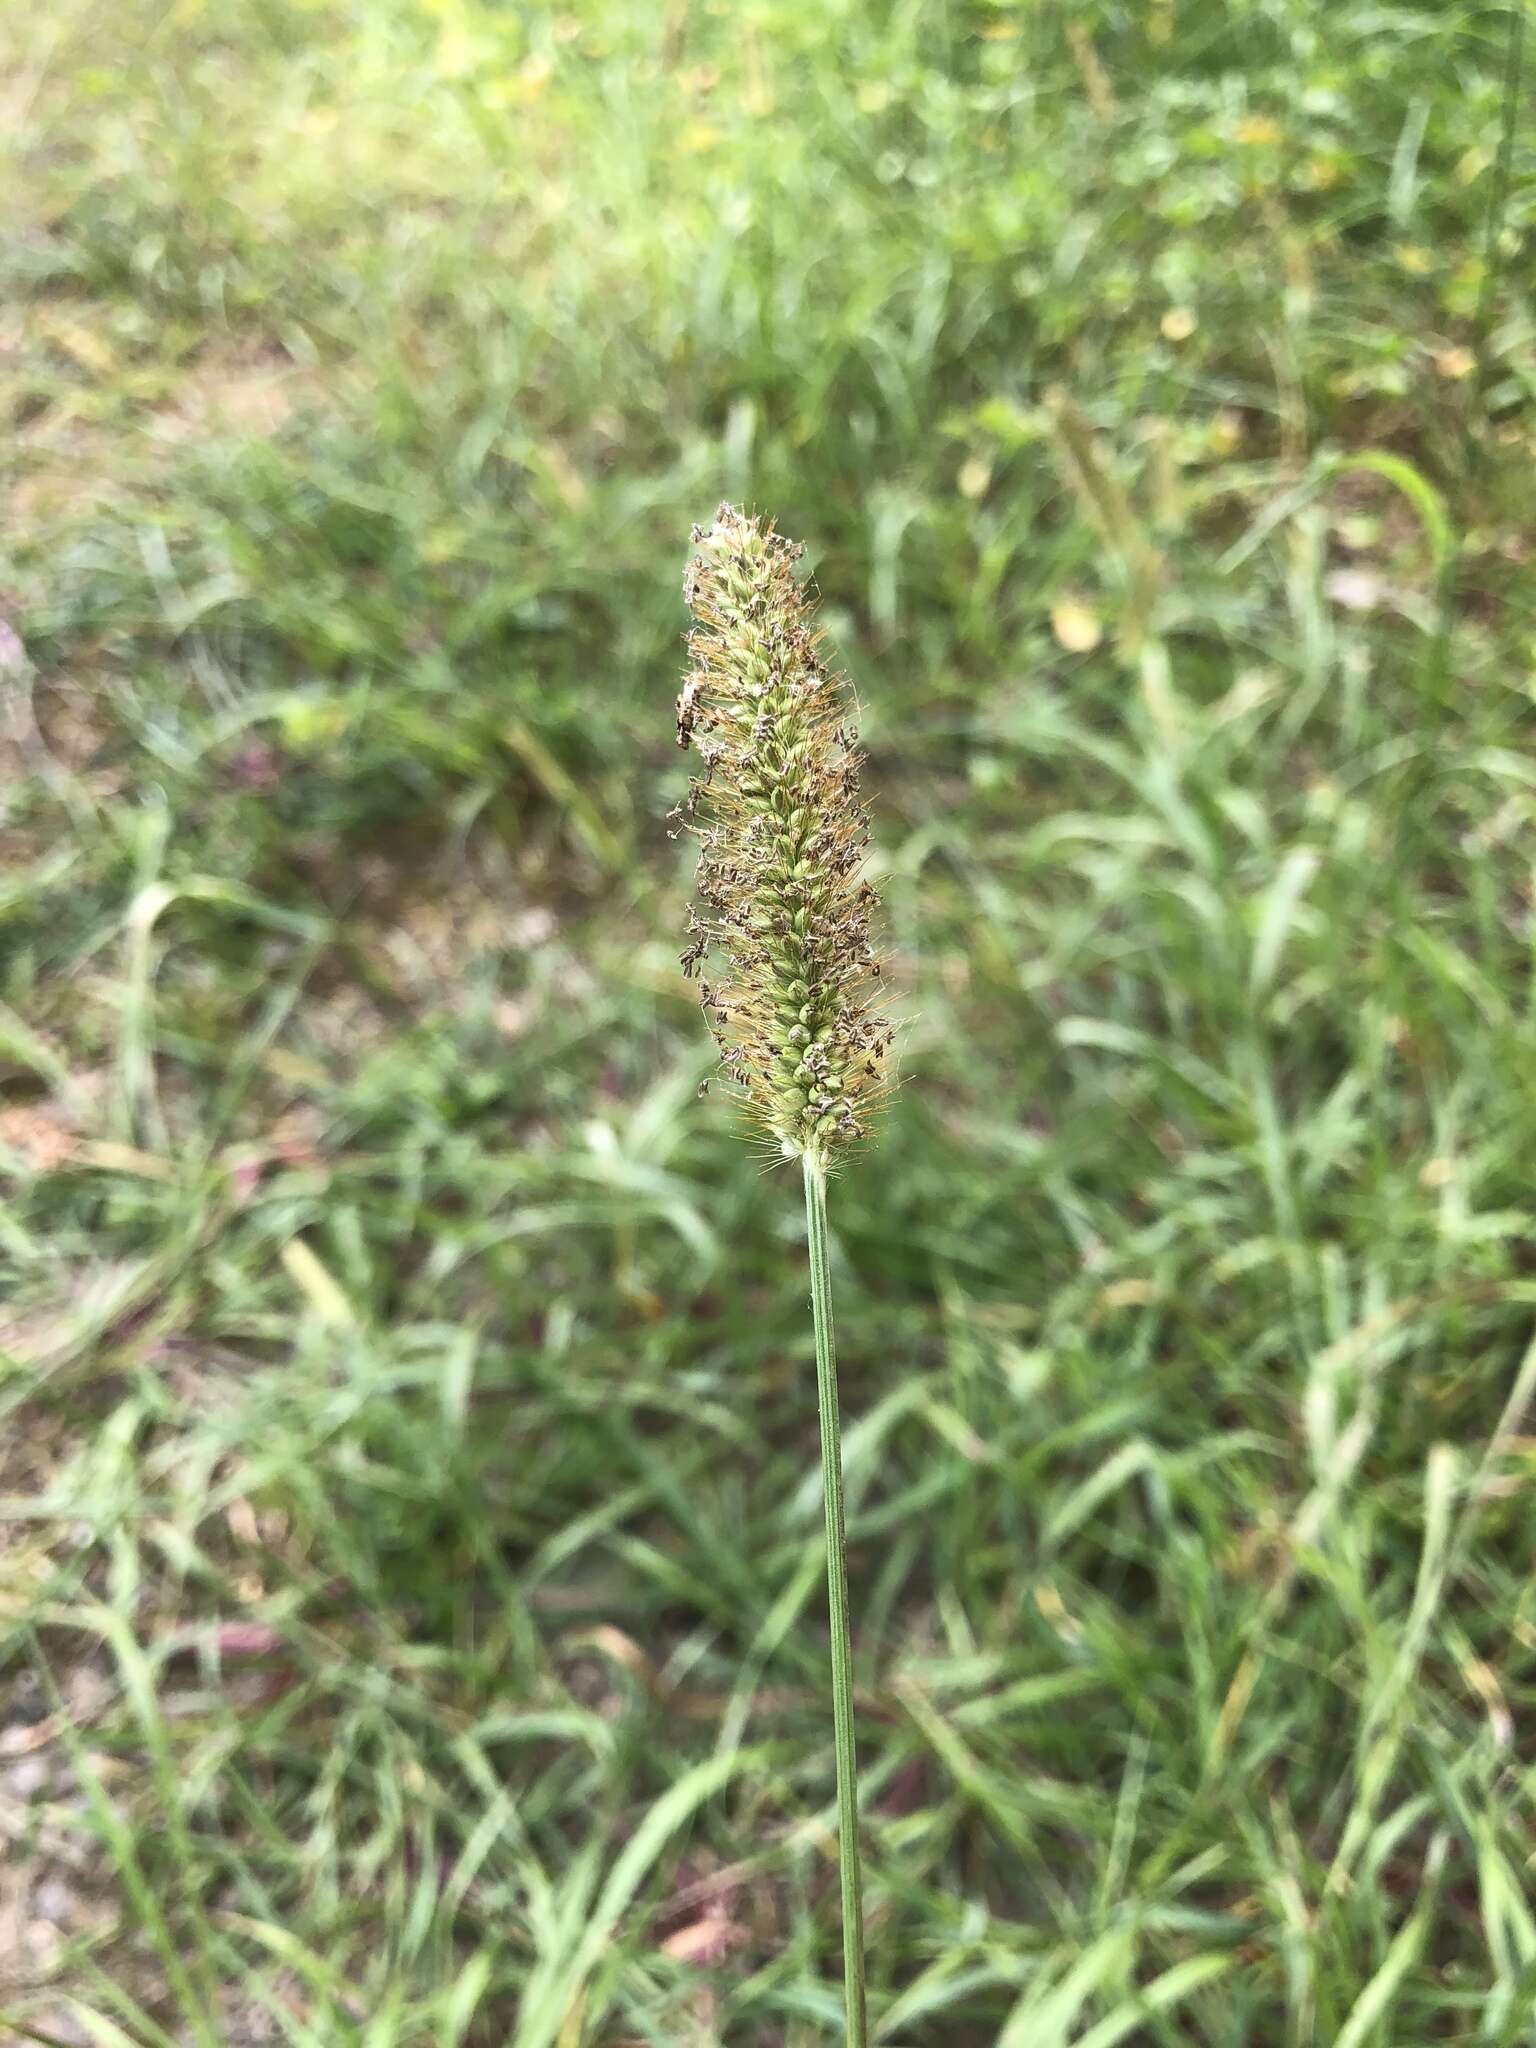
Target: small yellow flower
975,475
1076,626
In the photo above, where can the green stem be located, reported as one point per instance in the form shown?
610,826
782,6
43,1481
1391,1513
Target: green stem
1498,196
837,1603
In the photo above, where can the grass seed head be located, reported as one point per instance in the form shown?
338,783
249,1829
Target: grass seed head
782,835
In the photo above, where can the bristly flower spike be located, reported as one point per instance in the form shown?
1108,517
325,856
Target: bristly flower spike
783,904
782,837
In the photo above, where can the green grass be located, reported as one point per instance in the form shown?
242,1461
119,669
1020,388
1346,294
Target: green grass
412,1600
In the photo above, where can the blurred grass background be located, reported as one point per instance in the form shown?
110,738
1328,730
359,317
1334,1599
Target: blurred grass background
411,1614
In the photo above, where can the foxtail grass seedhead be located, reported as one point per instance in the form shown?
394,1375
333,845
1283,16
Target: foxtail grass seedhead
782,835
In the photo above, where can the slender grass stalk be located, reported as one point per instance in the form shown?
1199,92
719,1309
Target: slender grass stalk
784,906
1498,193
849,1869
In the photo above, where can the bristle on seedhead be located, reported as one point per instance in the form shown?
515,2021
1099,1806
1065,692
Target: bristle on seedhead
782,835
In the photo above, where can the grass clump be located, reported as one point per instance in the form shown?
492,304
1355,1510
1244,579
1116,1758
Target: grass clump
411,1546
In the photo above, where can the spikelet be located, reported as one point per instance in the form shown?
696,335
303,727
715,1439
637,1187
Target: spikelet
782,836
